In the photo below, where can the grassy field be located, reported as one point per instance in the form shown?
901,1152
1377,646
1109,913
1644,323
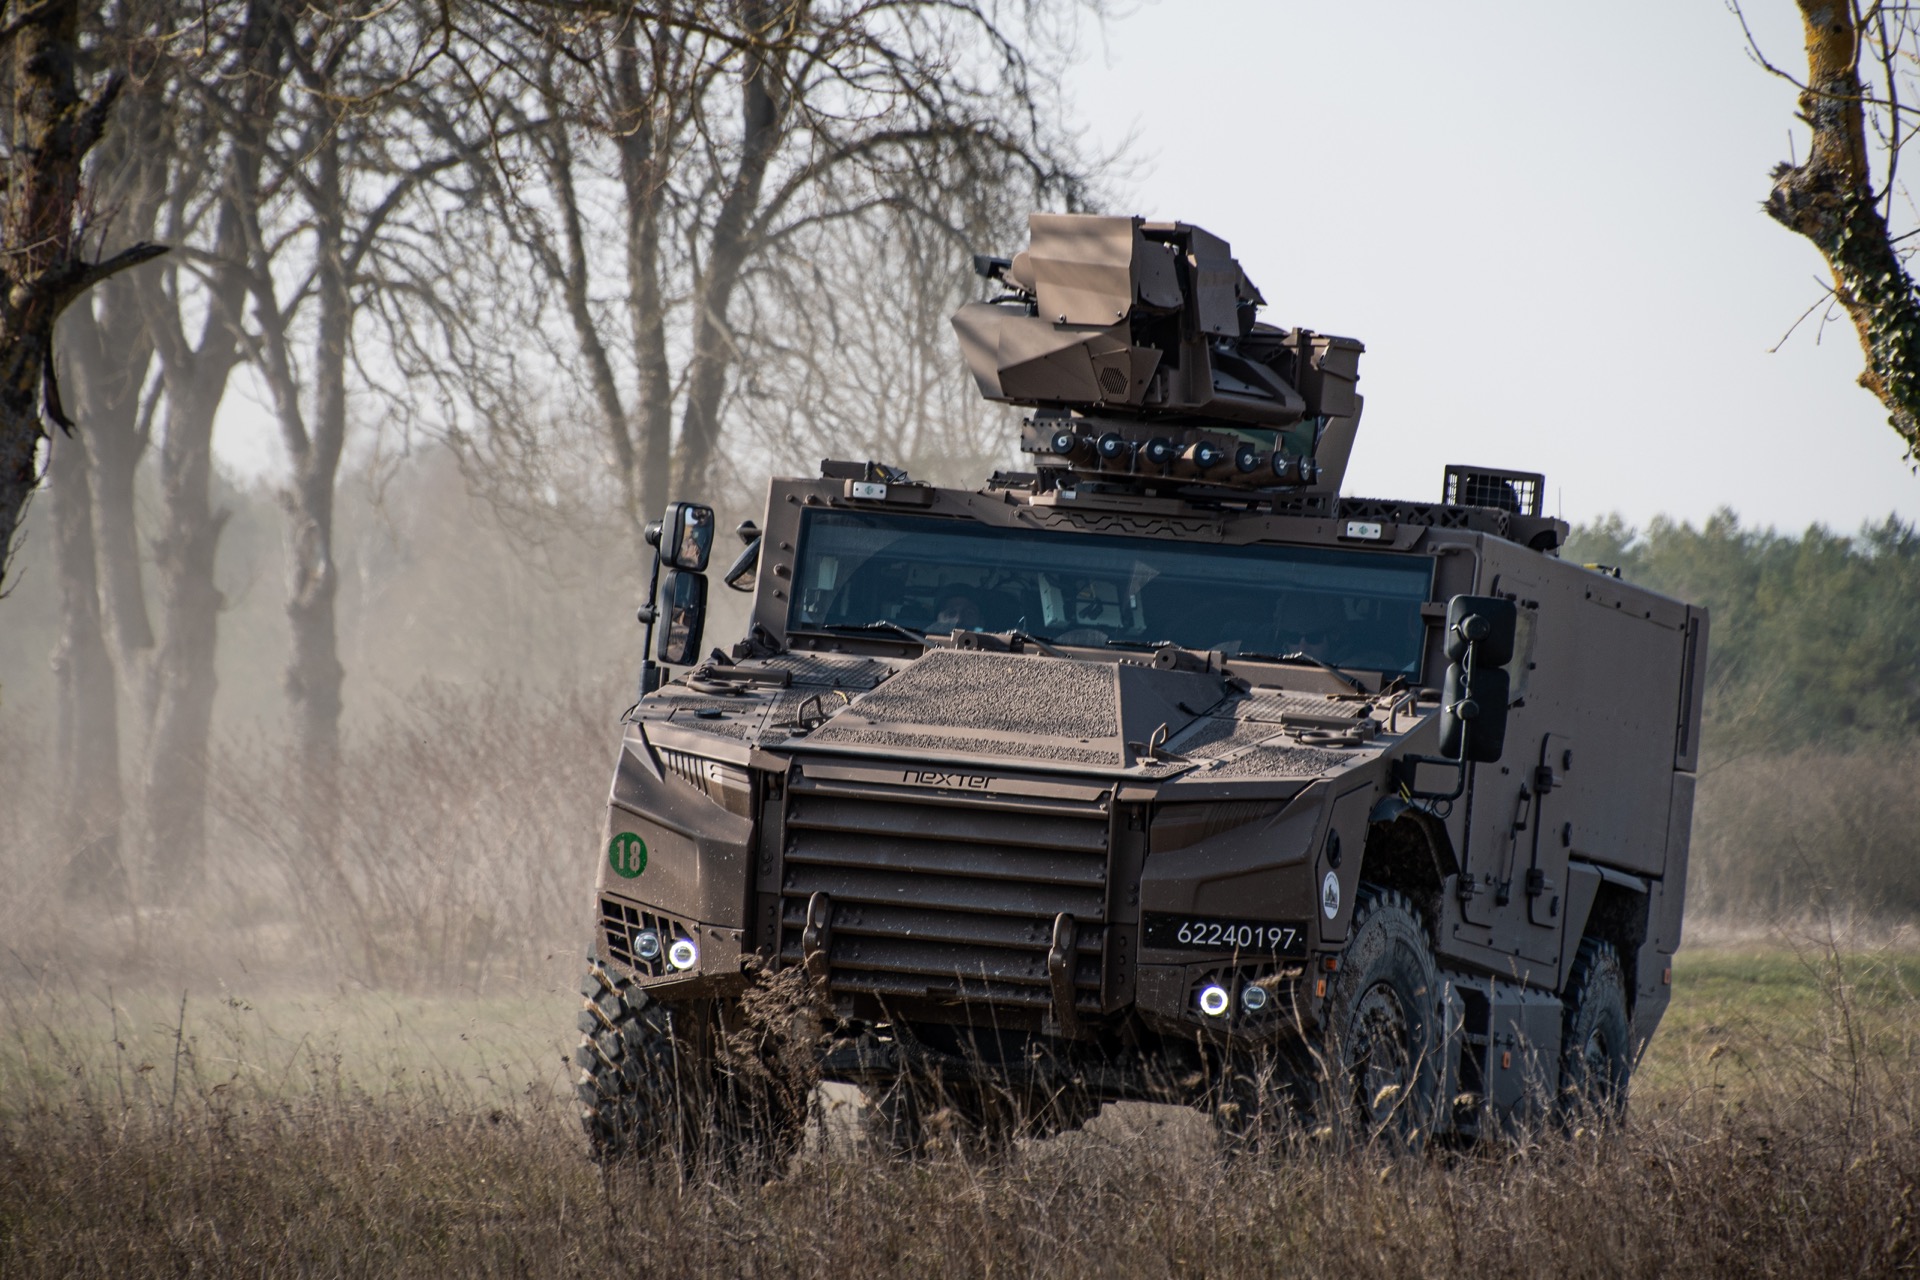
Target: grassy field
1775,1131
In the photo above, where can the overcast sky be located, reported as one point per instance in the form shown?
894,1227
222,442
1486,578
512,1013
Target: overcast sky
1541,218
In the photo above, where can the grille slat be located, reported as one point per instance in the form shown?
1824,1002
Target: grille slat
867,920
946,895
951,893
937,961
947,857
1020,828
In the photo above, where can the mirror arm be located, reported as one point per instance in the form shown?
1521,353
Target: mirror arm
648,613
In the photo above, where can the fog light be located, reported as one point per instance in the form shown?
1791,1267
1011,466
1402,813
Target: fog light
681,954
1214,1000
646,944
1253,998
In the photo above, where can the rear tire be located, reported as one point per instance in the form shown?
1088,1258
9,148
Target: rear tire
1383,1019
1596,1060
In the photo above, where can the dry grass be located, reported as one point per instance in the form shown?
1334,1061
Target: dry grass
1776,1132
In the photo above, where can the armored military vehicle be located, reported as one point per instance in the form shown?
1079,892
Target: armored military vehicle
1162,770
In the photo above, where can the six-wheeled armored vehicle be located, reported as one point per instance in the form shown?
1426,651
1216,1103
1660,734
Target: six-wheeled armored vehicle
1161,770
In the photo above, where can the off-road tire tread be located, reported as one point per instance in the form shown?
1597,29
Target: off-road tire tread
627,1058
1596,988
1398,920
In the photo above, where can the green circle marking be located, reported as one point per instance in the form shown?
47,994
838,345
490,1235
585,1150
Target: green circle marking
627,855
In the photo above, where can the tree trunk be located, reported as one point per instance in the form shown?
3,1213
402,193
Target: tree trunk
87,738
314,675
713,345
108,353
41,269
174,790
1829,199
643,182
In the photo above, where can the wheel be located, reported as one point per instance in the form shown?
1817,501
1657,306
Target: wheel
1383,1021
654,1083
629,1063
1596,1037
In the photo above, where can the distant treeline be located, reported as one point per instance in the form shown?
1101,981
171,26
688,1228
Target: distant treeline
1816,638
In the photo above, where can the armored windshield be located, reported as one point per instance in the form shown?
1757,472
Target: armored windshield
1355,609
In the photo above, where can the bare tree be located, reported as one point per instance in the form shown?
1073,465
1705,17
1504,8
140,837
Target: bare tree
1858,100
198,142
667,181
44,264
337,172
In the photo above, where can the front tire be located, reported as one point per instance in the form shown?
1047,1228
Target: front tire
629,1059
1384,1026
653,1083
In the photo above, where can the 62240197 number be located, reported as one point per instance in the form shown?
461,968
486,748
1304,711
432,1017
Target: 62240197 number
1194,933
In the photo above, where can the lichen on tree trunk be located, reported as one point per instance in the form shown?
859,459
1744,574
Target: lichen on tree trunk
1829,199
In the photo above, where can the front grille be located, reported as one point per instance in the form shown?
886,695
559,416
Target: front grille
622,922
945,896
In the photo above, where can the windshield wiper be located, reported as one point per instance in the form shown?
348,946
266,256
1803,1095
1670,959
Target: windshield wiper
1299,656
855,628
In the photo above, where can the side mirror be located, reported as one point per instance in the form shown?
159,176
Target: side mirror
1473,706
684,536
685,617
740,573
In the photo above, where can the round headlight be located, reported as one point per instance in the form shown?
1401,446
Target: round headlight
1214,1000
682,955
1253,998
646,944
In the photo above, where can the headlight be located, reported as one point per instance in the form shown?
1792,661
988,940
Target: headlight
1253,998
1214,1000
646,944
682,954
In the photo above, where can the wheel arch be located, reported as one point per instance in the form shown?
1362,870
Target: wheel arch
1619,915
1407,849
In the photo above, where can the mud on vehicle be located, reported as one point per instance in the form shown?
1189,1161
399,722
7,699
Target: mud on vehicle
1160,771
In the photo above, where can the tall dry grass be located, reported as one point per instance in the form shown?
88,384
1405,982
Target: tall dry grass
165,1151
1816,832
464,855
144,1142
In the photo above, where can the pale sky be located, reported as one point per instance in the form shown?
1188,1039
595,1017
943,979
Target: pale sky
1541,218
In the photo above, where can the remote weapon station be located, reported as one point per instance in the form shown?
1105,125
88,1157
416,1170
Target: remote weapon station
1162,771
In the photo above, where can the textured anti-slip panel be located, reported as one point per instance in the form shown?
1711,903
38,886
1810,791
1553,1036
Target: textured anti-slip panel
1279,761
1213,736
1012,748
997,691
